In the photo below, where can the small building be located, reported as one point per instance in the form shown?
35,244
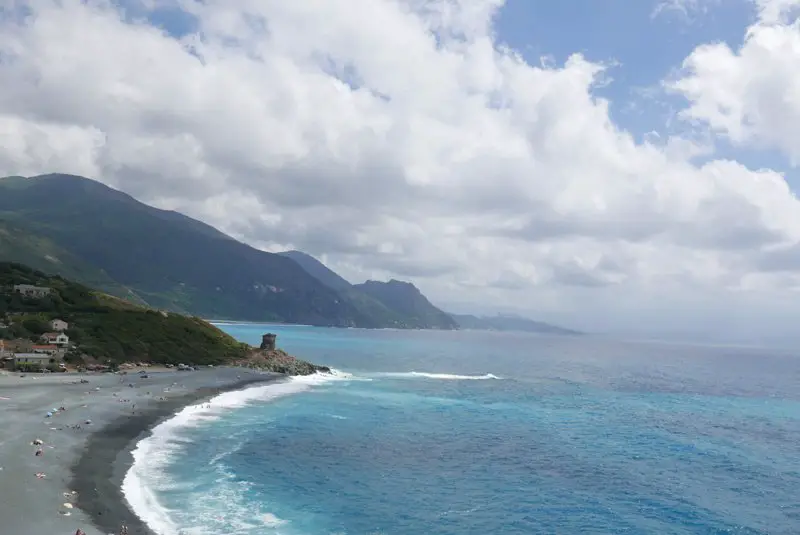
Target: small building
59,325
29,290
39,360
59,339
49,349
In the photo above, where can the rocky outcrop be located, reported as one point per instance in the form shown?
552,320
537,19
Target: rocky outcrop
279,361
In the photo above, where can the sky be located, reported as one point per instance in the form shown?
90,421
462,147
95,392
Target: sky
612,165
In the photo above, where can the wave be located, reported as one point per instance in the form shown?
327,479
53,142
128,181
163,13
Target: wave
155,452
441,376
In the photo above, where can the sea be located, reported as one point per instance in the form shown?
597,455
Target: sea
483,433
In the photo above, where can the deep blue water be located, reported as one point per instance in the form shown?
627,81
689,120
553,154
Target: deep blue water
550,435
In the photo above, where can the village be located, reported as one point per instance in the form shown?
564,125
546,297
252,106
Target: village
49,325
23,349
41,351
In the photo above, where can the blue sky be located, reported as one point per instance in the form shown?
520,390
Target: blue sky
644,48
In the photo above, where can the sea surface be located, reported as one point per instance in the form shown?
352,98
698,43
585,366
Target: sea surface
461,433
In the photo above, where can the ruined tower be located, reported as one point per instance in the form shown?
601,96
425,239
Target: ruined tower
268,342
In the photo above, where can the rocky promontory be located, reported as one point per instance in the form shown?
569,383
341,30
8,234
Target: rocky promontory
269,359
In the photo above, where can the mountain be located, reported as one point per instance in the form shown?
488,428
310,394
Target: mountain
104,238
318,270
407,309
405,299
45,255
507,323
106,328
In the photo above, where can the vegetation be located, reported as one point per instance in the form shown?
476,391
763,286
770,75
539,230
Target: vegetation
107,328
44,254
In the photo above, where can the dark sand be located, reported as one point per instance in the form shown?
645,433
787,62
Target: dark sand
93,460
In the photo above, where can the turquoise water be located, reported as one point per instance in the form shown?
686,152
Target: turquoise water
442,433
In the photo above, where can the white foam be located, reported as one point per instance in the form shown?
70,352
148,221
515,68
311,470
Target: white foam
270,520
442,376
152,454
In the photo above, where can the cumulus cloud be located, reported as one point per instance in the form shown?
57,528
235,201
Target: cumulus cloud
399,138
686,8
750,94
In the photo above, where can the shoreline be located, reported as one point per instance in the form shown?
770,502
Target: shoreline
91,460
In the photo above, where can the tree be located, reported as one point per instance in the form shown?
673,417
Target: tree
35,325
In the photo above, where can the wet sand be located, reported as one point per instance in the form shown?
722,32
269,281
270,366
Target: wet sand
85,466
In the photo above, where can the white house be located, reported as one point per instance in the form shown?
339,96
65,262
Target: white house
42,359
29,290
49,349
59,325
59,339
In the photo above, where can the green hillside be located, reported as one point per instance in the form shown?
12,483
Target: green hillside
45,255
107,239
107,328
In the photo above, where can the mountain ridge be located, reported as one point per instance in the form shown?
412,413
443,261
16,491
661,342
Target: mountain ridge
169,260
80,228
379,303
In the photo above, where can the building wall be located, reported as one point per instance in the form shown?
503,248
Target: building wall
59,325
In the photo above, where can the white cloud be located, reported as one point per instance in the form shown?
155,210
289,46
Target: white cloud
751,94
686,8
405,142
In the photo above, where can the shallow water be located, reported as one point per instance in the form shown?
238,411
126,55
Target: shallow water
445,433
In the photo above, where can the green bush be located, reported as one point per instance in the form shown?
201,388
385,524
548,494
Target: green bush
35,325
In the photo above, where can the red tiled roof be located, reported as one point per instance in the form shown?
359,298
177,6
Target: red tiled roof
49,346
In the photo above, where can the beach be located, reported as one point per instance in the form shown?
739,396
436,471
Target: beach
87,424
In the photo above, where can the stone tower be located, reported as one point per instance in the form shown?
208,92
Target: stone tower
268,342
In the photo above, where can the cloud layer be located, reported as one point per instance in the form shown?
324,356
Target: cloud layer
406,141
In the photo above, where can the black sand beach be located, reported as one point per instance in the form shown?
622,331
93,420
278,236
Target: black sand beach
85,467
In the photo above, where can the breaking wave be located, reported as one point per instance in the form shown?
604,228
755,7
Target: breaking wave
441,376
154,453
